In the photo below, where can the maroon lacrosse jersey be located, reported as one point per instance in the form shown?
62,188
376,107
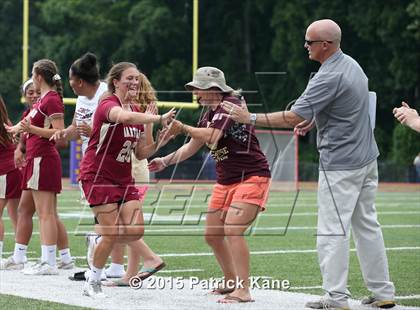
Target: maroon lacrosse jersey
237,154
41,115
7,162
108,155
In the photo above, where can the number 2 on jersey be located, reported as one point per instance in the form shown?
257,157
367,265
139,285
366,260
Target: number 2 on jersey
125,153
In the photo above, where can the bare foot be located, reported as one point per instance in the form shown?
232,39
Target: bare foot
237,296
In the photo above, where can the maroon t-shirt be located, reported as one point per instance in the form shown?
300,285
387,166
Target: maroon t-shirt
237,154
41,115
108,155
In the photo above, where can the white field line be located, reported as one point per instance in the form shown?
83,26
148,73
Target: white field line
272,252
280,228
314,213
304,287
177,218
408,297
254,229
10,253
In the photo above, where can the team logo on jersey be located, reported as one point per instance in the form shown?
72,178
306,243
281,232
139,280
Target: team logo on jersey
131,132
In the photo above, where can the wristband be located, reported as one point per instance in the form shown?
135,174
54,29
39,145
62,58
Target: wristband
164,164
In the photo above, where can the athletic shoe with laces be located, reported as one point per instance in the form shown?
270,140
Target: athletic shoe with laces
373,302
41,269
93,289
325,304
65,266
10,264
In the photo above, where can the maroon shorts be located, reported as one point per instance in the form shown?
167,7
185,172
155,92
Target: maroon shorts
11,185
43,174
103,192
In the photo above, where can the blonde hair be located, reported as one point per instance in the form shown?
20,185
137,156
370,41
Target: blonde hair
147,94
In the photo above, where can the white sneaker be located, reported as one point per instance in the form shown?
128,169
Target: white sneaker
65,266
90,244
93,289
41,269
10,264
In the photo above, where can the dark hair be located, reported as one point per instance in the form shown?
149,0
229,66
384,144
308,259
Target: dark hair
116,72
5,137
86,68
48,70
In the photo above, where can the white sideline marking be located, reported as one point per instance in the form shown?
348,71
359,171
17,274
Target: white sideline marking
304,287
252,253
178,218
408,297
281,229
278,252
10,253
314,213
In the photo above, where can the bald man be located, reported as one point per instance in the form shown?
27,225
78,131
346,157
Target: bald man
336,100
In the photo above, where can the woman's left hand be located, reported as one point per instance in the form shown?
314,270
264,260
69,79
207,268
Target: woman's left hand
152,109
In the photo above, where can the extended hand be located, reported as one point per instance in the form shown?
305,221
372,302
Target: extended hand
239,114
84,129
405,115
157,165
152,109
58,135
304,127
168,117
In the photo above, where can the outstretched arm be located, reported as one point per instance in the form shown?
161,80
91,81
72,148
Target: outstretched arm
407,116
281,119
183,153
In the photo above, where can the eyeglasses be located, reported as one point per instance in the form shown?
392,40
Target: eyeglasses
309,42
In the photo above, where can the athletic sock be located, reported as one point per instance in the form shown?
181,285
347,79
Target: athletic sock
19,254
65,256
48,254
95,274
115,269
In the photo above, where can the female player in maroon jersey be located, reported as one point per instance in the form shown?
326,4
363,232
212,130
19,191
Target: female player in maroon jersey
42,173
27,205
10,176
106,168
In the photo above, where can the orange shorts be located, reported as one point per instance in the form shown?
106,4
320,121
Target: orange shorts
253,190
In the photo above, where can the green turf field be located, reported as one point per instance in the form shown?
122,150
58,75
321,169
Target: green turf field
174,230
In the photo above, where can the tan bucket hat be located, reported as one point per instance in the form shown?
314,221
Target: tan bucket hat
207,77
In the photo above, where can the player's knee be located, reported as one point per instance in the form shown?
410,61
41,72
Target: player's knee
214,240
133,233
233,232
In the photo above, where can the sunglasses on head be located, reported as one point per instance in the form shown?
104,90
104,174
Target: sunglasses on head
309,42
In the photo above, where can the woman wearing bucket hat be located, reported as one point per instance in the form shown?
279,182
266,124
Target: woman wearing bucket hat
243,179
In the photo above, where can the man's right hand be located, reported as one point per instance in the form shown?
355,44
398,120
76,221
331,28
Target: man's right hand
304,127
